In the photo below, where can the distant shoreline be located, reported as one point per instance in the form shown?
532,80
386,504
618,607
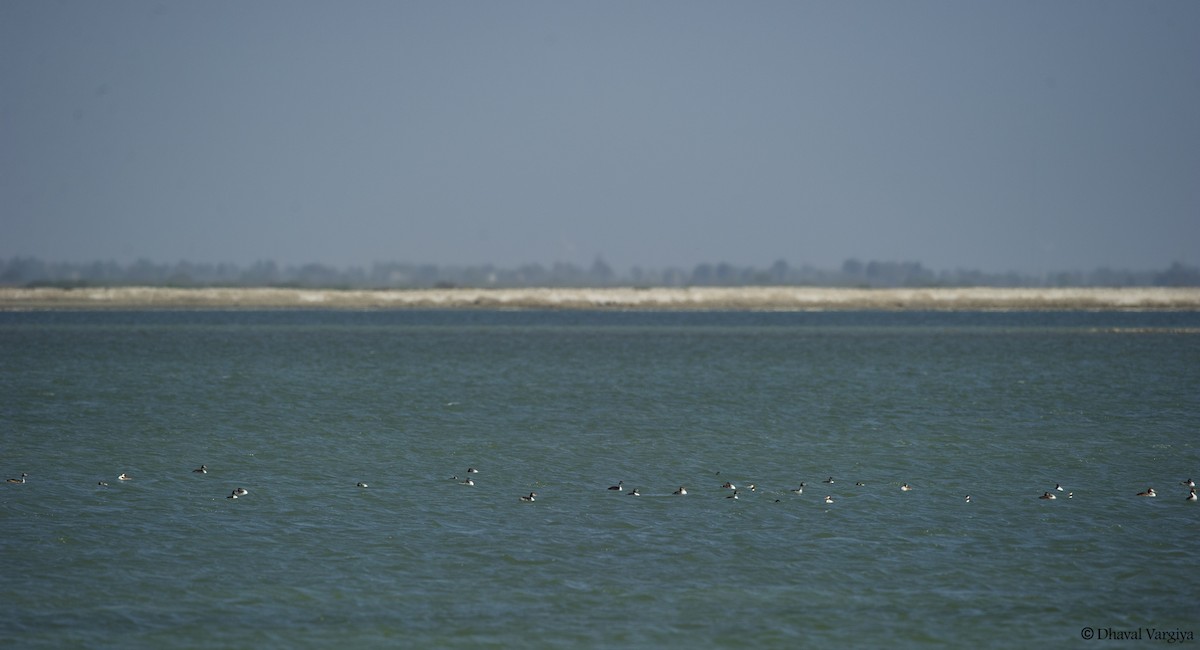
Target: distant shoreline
614,299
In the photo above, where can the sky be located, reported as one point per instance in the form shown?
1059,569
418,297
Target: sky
1024,136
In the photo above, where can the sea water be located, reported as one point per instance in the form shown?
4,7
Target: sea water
298,407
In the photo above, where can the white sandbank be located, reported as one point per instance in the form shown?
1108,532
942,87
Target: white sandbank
616,298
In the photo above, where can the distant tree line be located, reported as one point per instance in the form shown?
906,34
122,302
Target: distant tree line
32,272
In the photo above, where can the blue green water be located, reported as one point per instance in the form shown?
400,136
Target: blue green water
298,407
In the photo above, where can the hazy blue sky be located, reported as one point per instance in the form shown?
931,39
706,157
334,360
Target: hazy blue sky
1029,136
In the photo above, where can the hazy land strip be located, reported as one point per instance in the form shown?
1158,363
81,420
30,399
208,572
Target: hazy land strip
612,298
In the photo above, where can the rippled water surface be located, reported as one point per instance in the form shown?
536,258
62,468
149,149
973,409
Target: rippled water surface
298,407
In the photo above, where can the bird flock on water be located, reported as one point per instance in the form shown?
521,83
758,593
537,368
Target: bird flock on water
619,487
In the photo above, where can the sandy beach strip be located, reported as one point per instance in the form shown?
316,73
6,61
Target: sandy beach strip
616,298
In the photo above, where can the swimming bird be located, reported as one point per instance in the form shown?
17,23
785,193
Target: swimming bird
125,477
102,484
753,487
860,484
362,485
681,491
530,497
829,480
1047,495
1070,495
1188,483
472,470
634,493
467,482
618,486
18,480
799,490
241,492
1148,493
828,498
203,469
1192,495
968,498
232,495
906,487
729,486
733,496
1058,487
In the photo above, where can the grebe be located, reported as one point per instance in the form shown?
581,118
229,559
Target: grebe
362,485
1047,495
1188,483
906,487
829,480
681,491
828,498
1148,493
729,486
125,477
467,482
1192,495
618,486
530,497
203,469
634,493
18,480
